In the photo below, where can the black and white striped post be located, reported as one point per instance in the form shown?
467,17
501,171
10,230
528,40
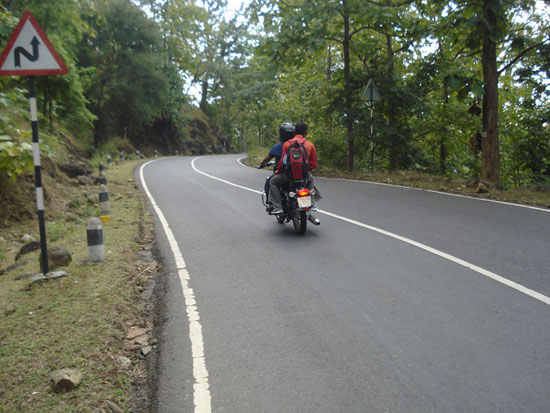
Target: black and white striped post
104,204
94,236
38,175
102,177
37,57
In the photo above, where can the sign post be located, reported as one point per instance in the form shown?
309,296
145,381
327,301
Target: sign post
30,53
370,94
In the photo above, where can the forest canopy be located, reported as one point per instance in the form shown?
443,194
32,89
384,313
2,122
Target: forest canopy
463,85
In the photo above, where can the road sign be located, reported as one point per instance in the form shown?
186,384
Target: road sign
29,52
370,94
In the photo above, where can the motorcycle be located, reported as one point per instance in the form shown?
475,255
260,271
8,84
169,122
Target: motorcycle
297,201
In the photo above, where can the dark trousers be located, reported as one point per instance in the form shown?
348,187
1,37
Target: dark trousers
280,181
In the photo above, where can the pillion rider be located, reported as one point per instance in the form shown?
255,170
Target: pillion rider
286,132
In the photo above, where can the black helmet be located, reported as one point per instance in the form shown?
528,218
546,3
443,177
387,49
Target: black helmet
286,132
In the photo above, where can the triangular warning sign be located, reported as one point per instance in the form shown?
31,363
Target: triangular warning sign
29,52
370,94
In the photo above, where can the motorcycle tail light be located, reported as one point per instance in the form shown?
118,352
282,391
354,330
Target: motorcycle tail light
303,192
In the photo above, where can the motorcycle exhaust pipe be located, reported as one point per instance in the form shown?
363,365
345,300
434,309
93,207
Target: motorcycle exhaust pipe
313,220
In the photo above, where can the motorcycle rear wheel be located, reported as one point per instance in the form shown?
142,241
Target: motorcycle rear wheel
299,219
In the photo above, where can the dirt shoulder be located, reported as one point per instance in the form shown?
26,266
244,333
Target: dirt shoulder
98,319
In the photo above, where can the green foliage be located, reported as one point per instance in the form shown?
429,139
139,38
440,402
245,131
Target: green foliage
131,72
55,230
127,88
15,157
15,149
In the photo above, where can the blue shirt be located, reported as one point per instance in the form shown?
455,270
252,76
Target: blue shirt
276,151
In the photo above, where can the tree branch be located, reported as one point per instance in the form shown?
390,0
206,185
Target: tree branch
332,39
520,55
361,29
390,5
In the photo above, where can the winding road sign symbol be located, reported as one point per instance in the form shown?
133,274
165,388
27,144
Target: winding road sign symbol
29,52
21,51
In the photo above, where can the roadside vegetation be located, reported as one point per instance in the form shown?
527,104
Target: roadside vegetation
534,195
80,321
462,87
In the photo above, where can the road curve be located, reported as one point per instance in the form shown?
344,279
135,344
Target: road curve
347,317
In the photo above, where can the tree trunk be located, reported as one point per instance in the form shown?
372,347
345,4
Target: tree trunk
442,138
347,87
394,141
329,64
243,137
490,164
204,95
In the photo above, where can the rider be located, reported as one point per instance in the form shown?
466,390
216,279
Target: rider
280,179
286,132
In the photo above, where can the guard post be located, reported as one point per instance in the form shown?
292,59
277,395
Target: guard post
29,52
102,177
94,236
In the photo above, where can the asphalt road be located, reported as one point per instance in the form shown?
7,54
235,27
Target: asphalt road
446,311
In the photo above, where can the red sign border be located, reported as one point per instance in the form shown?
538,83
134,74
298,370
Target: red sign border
28,16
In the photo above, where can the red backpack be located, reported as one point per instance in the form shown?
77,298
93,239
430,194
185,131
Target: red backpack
297,166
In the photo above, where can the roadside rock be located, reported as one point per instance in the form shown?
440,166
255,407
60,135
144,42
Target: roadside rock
85,180
66,379
124,362
482,188
12,267
57,257
23,276
73,170
136,332
38,278
142,340
26,238
113,407
92,198
27,248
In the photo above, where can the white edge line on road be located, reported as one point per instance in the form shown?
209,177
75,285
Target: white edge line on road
473,267
201,388
242,164
222,180
424,190
494,201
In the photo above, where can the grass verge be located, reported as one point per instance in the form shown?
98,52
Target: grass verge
80,321
459,186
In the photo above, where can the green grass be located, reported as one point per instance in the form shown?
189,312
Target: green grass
79,321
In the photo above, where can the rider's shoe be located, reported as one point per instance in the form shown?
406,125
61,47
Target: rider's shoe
314,207
276,210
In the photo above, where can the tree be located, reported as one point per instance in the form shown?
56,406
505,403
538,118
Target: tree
492,22
128,87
